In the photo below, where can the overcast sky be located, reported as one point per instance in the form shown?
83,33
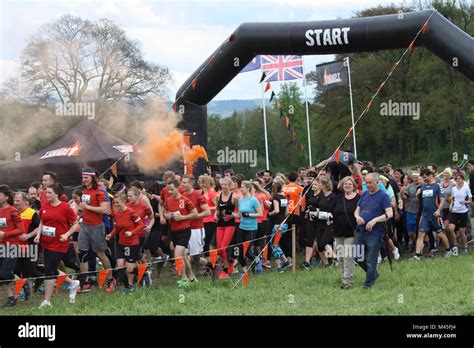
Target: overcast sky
175,34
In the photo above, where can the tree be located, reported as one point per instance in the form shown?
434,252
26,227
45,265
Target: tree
75,60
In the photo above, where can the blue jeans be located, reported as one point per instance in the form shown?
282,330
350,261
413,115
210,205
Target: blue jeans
371,242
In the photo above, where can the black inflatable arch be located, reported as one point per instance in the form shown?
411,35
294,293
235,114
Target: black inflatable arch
396,31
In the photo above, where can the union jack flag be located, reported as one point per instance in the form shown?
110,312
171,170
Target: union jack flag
282,68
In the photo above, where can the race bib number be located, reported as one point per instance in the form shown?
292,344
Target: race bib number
86,199
284,203
49,231
3,222
427,193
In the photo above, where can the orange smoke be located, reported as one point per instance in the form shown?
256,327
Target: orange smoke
159,151
194,153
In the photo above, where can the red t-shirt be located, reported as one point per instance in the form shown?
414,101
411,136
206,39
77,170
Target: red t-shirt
263,197
165,194
197,199
11,225
56,221
127,220
182,205
209,196
44,201
92,197
141,210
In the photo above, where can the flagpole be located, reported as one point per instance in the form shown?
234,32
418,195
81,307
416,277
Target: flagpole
265,127
307,114
352,107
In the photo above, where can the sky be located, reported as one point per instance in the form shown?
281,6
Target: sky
179,35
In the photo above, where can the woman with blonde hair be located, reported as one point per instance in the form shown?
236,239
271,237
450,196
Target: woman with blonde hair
344,225
210,225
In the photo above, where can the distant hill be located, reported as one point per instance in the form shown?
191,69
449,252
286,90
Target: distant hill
226,107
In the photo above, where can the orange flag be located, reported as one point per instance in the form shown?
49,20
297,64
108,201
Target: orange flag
425,26
245,279
141,270
102,277
193,84
267,87
213,255
60,280
336,155
113,169
19,283
410,48
265,252
349,132
246,246
369,105
179,265
276,239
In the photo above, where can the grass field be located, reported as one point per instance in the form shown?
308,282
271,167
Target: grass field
429,287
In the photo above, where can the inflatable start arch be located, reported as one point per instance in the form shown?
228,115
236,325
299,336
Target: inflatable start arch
396,31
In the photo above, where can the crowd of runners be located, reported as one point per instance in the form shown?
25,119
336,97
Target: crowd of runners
107,225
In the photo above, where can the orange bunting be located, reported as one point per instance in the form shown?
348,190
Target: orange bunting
60,280
246,246
174,107
179,265
102,277
113,169
265,252
349,132
19,283
193,84
276,240
245,279
213,255
369,105
336,155
141,271
410,48
425,26
267,87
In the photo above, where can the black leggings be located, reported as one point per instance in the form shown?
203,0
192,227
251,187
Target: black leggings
242,236
323,236
210,239
310,233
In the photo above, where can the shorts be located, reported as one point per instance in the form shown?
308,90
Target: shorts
445,214
7,266
75,236
51,261
411,222
92,238
459,219
431,224
196,241
181,237
25,267
131,253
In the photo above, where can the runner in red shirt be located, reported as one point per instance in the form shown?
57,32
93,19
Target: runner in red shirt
128,225
11,228
92,233
50,178
198,234
179,210
57,223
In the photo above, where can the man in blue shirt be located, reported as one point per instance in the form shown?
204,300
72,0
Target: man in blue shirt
431,201
372,210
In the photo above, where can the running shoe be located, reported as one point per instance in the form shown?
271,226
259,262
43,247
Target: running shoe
183,284
267,264
259,266
396,253
146,280
379,259
286,265
306,266
416,257
127,289
45,304
280,270
11,302
464,251
21,295
86,287
224,275
448,254
455,250
110,285
433,253
73,291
